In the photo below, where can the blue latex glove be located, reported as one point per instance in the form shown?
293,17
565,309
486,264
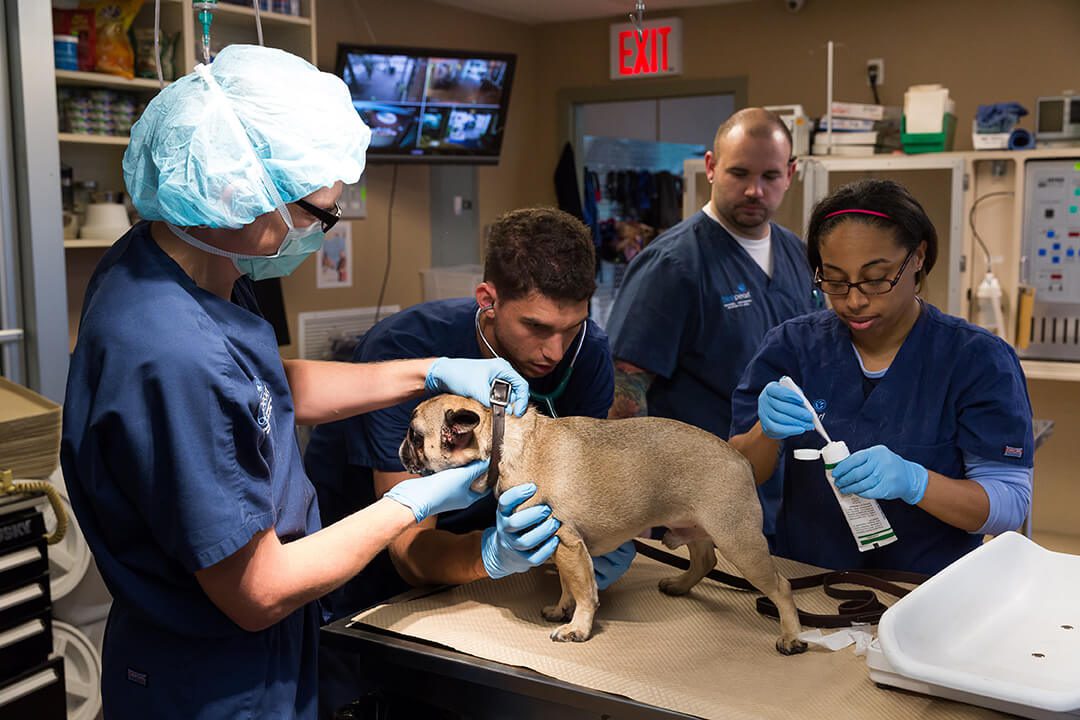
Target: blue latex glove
440,492
881,474
609,568
520,540
472,378
782,413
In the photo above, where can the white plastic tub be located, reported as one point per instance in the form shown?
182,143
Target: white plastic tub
999,628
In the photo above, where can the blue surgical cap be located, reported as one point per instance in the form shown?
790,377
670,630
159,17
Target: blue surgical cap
191,163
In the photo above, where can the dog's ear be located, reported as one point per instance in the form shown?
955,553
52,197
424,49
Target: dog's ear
458,427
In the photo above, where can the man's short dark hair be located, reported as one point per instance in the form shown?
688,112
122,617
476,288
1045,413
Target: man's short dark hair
543,250
758,123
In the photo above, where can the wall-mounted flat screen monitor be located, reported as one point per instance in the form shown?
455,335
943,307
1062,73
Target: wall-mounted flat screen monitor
427,105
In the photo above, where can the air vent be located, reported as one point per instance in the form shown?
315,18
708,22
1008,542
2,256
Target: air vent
320,331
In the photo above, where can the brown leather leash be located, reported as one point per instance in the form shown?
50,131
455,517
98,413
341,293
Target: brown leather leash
857,606
500,397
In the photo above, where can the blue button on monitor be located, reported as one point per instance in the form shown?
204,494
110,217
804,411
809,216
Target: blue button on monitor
1042,252
1049,233
1070,252
1056,260
1057,246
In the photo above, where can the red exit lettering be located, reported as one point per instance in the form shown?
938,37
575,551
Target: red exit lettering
646,55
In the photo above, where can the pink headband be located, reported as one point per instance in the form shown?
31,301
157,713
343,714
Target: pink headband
855,210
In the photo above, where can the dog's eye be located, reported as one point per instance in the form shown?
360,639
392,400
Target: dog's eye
415,437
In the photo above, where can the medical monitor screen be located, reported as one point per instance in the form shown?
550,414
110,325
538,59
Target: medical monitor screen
429,105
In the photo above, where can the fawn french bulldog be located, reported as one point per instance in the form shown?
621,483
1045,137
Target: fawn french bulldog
608,481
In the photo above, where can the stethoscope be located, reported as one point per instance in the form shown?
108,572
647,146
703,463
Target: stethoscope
551,397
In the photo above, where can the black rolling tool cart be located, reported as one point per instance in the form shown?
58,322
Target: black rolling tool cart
31,685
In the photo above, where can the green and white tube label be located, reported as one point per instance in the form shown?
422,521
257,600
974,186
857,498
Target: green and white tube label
864,516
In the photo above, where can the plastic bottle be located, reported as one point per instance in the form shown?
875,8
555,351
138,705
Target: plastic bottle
864,516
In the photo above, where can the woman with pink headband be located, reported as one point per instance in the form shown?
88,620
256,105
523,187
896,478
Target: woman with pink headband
935,410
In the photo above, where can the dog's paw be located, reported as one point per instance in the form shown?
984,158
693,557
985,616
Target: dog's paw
790,647
569,633
555,613
673,586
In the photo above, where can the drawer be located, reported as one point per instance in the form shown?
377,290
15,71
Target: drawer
37,693
21,601
20,565
20,528
26,644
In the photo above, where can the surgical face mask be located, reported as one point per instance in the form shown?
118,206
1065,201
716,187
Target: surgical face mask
299,243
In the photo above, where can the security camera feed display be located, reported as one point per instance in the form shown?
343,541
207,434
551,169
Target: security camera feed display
430,106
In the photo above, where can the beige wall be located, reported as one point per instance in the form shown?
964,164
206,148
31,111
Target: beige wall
520,178
983,50
972,46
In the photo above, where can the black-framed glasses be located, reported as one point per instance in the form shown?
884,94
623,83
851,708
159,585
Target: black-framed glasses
328,218
866,287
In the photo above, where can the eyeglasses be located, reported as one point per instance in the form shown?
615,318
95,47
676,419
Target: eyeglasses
328,218
866,287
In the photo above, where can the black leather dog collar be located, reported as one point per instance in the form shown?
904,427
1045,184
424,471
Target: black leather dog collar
500,396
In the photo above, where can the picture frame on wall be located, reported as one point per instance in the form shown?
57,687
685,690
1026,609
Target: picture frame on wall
334,262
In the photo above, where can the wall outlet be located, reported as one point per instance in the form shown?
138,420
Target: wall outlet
878,63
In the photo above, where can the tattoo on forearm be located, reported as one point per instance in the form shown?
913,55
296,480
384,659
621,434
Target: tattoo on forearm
631,389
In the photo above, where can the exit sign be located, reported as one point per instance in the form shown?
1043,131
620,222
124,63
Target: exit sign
657,51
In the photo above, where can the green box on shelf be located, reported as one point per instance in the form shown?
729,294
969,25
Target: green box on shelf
915,143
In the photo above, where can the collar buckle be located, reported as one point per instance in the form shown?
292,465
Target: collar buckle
500,392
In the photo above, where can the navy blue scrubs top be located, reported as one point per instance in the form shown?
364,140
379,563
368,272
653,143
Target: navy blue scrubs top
341,455
178,447
952,388
693,309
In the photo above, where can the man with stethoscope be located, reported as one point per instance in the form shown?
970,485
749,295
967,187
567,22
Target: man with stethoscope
531,309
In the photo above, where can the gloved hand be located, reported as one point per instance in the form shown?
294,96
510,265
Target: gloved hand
440,492
609,568
881,474
472,378
519,541
782,413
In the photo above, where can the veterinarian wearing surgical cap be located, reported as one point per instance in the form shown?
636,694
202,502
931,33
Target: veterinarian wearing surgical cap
934,410
179,449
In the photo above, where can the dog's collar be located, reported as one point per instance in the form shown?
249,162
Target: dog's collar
500,396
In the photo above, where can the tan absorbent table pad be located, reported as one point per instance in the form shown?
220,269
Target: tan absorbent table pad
708,653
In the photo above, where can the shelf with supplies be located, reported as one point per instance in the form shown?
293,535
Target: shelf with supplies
79,78
959,189
246,14
82,139
93,103
74,244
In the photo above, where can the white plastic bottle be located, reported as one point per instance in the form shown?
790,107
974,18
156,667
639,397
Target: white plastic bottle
864,516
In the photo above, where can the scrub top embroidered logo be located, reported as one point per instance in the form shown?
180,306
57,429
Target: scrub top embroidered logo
740,298
1014,452
266,406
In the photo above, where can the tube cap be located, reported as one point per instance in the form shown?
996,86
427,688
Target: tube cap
834,452
807,454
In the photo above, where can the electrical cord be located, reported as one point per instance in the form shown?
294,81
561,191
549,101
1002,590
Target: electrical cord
871,73
8,486
389,244
971,221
